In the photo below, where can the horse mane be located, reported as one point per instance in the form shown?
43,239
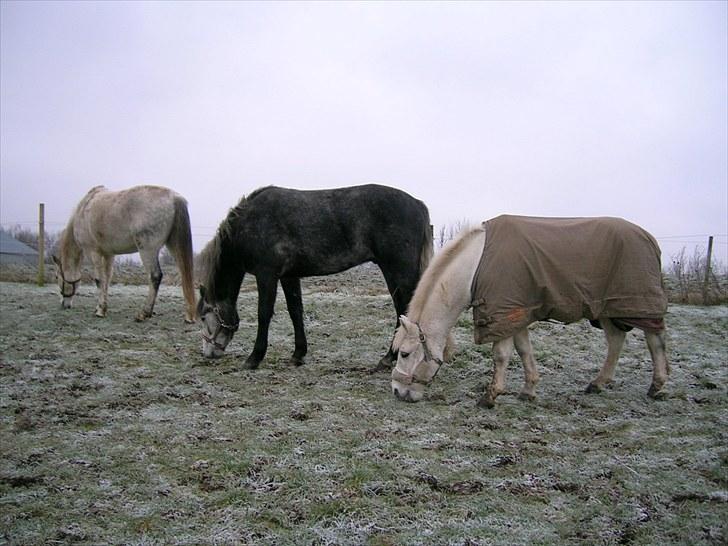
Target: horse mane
208,260
437,267
227,225
66,237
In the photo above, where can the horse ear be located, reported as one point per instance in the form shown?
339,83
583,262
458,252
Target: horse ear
56,260
407,324
202,292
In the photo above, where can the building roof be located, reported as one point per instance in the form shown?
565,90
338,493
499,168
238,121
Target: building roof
10,245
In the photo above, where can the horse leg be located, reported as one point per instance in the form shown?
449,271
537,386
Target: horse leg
103,268
267,287
660,366
615,341
401,291
294,302
525,351
150,259
502,351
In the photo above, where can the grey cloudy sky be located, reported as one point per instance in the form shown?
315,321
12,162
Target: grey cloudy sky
556,109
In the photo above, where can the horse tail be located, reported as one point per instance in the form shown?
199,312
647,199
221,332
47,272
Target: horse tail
180,244
427,249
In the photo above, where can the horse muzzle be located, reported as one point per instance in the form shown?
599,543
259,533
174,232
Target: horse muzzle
210,351
66,303
406,393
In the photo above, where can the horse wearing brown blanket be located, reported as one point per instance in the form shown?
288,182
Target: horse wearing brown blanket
516,270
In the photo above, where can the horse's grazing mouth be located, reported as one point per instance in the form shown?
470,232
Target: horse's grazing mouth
211,348
405,394
213,353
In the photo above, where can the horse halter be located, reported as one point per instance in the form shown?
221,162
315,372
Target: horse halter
409,378
221,325
65,282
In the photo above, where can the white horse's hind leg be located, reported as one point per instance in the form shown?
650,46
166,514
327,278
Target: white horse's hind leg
150,259
525,351
502,351
615,341
660,366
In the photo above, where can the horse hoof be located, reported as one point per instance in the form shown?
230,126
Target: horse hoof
656,394
486,402
250,364
526,397
297,361
592,388
143,315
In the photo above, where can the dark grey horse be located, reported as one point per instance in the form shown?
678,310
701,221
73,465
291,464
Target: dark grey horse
280,234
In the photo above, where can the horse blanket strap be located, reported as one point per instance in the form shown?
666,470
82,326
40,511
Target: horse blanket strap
564,269
626,324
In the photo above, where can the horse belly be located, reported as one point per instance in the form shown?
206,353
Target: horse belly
309,261
120,246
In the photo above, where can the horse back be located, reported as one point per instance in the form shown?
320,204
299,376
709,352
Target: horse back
318,232
117,222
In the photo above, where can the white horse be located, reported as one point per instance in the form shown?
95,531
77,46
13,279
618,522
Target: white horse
140,219
446,290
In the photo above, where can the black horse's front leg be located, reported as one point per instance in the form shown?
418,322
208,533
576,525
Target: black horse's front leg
267,286
387,362
294,302
401,279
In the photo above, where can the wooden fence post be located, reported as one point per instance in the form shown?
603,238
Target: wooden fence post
706,281
41,244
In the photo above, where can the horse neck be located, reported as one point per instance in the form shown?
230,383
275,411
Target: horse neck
450,293
226,273
71,251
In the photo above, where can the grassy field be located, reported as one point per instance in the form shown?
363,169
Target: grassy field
115,432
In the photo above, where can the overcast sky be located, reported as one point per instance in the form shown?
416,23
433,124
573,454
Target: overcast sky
478,109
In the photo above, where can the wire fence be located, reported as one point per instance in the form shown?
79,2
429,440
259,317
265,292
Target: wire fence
672,245
689,278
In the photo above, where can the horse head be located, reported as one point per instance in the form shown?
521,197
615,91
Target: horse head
67,279
416,366
219,323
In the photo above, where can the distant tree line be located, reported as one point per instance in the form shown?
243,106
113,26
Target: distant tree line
693,282
30,237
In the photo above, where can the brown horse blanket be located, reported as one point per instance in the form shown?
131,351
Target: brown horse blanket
565,269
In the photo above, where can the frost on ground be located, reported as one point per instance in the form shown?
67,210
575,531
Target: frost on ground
115,432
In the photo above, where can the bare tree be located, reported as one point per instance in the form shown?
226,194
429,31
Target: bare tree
688,275
449,232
